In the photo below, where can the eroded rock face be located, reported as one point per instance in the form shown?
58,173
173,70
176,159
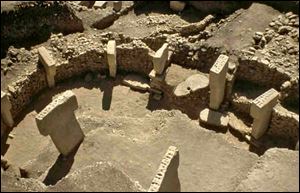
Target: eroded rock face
277,170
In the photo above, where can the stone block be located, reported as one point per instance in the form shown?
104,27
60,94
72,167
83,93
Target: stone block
49,65
117,6
5,110
136,82
177,5
100,4
112,57
217,81
160,58
191,84
261,110
166,178
58,120
214,118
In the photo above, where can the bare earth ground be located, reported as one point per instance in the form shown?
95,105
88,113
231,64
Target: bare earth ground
129,135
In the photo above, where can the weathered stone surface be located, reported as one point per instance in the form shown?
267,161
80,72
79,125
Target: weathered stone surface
112,57
98,177
166,178
276,171
100,4
261,111
213,118
5,110
177,5
238,125
191,84
217,81
65,133
136,82
160,58
49,65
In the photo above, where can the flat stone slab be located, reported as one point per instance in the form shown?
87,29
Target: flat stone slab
136,82
213,118
276,171
191,84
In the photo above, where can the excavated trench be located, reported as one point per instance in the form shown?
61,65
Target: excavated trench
132,123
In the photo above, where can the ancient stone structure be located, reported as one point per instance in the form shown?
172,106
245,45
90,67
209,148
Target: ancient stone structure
217,81
117,6
160,59
191,84
211,117
58,120
49,65
261,111
112,57
5,110
166,179
100,4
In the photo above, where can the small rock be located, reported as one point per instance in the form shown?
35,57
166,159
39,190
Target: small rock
283,29
177,5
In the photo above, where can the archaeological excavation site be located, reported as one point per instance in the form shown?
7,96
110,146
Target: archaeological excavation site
149,96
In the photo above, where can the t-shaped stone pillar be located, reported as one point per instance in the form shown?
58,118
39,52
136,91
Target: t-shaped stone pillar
112,57
5,110
160,59
49,65
261,111
217,81
166,178
58,120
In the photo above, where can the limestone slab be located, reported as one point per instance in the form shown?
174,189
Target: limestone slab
261,110
58,120
136,82
112,57
166,178
191,84
49,65
217,80
100,4
5,110
160,58
211,117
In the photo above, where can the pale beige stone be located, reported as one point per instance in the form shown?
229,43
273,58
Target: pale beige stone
5,110
136,82
49,65
166,178
177,5
58,120
160,58
261,111
112,57
191,84
217,81
100,4
211,117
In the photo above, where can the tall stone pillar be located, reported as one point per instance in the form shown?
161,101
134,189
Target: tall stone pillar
58,120
166,178
49,65
112,57
217,81
261,111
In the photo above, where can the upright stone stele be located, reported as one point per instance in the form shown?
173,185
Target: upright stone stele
261,111
217,81
5,110
160,59
58,120
112,57
49,65
166,178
